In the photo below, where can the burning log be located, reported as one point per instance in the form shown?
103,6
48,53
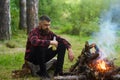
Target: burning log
93,67
85,57
89,66
112,74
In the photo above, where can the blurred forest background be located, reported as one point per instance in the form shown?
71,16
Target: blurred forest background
75,20
71,17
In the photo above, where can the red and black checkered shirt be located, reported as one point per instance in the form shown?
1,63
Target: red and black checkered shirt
36,38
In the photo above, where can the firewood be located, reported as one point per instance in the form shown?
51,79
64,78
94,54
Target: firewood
74,77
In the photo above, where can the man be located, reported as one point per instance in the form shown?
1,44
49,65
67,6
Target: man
38,51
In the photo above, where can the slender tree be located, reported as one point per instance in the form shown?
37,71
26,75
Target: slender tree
5,29
22,23
32,14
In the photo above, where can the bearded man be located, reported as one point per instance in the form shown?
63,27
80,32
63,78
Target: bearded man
38,51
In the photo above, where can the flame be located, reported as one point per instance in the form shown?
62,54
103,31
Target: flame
101,65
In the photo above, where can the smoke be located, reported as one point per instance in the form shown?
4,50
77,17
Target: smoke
109,23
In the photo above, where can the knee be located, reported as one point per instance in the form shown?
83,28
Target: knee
61,46
39,48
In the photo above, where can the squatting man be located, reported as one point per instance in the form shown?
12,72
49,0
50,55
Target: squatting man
39,52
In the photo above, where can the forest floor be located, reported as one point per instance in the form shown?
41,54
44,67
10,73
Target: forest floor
12,54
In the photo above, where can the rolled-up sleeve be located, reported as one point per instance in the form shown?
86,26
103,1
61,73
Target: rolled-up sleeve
64,41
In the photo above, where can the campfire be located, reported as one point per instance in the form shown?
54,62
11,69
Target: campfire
103,69
90,66
102,65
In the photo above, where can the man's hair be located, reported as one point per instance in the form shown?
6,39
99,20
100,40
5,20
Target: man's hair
44,17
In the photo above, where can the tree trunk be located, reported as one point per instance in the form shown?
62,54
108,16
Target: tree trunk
5,29
22,23
32,14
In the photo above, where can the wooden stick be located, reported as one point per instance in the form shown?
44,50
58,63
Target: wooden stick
73,77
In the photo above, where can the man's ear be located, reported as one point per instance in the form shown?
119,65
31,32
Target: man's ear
40,23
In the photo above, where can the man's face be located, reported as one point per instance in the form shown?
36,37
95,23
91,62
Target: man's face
44,26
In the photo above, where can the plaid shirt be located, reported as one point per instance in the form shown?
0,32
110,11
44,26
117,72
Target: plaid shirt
36,38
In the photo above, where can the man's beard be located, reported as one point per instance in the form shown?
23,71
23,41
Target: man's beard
45,31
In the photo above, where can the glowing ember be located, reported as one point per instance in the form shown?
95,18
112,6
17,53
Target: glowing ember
101,65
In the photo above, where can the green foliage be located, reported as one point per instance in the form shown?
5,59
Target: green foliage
85,16
12,60
66,29
51,8
14,10
89,28
8,63
78,17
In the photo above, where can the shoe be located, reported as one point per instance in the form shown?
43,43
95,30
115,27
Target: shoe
58,73
43,78
44,75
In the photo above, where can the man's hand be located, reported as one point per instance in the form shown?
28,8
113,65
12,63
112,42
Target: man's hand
70,54
55,43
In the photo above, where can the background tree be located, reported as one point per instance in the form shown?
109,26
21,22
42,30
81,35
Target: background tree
80,17
5,28
32,14
22,22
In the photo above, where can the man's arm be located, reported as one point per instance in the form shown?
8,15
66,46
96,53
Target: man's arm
67,45
55,43
35,41
70,51
70,54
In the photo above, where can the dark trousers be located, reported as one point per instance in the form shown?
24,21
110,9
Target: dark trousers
40,55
